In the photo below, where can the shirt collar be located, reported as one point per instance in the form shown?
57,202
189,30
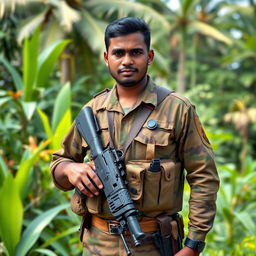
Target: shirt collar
148,96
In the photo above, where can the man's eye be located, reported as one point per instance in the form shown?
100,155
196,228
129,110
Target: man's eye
118,54
136,52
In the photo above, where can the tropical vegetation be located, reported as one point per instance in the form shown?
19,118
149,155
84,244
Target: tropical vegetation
51,64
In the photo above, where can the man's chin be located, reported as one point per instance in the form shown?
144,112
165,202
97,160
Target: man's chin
128,83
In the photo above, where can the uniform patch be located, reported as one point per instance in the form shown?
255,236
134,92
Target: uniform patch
201,131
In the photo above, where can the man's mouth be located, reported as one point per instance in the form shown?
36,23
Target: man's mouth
127,70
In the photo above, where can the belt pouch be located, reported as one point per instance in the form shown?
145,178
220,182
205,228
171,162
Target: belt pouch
164,237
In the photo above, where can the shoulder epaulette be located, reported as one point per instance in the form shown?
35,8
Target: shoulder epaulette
183,99
101,93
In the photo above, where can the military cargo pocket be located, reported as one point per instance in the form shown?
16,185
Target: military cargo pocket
135,177
160,187
170,196
154,191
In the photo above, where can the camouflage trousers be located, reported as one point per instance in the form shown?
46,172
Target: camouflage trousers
96,242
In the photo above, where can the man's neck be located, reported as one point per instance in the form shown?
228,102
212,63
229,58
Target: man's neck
129,95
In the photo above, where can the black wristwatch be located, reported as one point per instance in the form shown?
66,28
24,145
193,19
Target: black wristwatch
196,245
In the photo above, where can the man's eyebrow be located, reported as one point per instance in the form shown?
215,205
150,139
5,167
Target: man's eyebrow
123,50
117,50
137,49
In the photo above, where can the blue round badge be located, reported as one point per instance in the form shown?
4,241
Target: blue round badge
152,124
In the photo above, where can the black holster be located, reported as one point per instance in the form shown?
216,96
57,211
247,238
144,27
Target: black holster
169,237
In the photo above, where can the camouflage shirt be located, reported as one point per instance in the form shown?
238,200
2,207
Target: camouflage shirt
179,141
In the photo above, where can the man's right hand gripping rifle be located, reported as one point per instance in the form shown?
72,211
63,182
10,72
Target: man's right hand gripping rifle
111,173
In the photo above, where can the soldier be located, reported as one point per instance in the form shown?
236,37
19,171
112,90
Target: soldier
170,141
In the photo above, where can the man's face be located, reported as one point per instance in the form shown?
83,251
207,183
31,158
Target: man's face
128,58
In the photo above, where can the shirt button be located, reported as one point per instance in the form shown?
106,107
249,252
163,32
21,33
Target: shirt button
152,124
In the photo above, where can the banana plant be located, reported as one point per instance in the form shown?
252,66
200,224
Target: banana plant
61,118
37,68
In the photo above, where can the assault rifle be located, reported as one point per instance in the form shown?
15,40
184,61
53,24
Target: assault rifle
111,171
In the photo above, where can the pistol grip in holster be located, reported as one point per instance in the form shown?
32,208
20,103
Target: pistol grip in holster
168,238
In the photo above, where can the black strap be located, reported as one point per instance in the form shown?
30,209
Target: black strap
111,128
140,119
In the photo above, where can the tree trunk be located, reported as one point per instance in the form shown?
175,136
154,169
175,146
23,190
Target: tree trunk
66,66
181,80
194,62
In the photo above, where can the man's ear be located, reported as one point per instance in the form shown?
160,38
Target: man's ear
106,58
151,55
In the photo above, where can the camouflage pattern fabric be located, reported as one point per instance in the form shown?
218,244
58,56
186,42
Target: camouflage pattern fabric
179,141
98,243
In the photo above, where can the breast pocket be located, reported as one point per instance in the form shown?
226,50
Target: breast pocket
158,143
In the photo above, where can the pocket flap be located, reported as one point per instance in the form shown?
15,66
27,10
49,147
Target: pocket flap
159,137
135,176
170,169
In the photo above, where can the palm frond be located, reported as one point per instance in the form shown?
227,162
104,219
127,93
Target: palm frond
208,30
92,30
126,8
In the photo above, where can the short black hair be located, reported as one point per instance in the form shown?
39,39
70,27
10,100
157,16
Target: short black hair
125,26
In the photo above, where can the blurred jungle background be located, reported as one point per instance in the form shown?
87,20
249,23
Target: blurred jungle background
51,63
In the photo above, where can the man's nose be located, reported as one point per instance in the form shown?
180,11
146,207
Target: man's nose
127,60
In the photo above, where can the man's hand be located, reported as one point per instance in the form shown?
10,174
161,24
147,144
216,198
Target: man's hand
80,175
186,251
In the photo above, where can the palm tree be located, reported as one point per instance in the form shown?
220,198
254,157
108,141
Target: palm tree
192,18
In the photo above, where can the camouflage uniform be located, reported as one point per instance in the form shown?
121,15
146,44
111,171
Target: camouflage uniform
179,141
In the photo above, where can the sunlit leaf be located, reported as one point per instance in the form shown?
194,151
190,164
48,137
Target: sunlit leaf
61,105
29,108
125,8
61,130
3,170
67,15
92,30
46,123
30,53
28,29
11,214
208,30
34,229
25,168
47,61
45,252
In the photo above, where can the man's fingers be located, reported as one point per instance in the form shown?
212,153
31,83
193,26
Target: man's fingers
91,164
93,176
84,190
90,185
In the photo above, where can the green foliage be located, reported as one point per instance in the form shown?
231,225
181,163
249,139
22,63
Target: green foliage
11,214
38,220
61,119
33,231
